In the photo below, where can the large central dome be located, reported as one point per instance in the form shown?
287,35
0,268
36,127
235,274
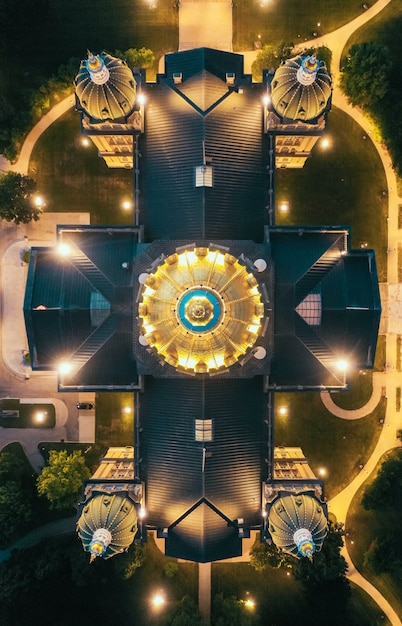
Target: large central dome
201,310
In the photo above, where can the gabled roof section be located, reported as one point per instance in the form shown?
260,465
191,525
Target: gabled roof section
182,135
181,472
317,264
203,534
192,62
79,308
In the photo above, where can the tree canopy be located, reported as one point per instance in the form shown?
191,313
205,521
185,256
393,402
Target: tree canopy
142,57
365,78
61,480
16,198
270,57
386,488
264,555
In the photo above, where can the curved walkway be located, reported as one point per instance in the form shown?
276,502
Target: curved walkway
379,379
387,440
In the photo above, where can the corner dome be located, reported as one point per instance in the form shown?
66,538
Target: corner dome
107,525
200,310
301,88
298,524
105,87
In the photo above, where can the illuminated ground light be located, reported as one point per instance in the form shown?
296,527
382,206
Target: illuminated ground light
250,604
284,206
158,600
40,416
126,204
322,472
283,410
127,410
38,201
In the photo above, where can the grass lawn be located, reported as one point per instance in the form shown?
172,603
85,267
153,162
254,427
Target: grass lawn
136,593
74,178
361,381
363,527
343,185
288,20
281,600
59,30
384,27
338,445
114,419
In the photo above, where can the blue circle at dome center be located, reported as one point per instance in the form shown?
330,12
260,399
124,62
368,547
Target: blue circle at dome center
199,310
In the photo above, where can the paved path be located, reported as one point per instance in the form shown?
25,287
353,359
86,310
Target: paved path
205,23
379,380
59,527
192,34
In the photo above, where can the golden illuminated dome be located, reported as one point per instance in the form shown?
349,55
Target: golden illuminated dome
298,524
107,525
105,87
201,310
301,88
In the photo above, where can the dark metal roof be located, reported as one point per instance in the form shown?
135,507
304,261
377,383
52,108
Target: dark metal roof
222,482
318,261
201,121
80,308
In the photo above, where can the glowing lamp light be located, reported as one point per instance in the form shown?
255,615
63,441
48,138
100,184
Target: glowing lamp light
38,201
85,142
63,249
126,204
158,600
250,604
284,206
141,99
342,365
325,143
142,513
65,367
283,410
322,472
266,100
127,410
40,416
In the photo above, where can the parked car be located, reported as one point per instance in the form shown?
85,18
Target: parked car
85,405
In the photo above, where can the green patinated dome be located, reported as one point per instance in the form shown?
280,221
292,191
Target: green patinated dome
301,88
298,524
107,525
105,87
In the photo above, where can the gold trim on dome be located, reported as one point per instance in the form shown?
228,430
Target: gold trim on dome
201,310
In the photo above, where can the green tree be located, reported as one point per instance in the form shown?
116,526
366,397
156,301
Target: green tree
264,555
11,467
61,480
127,563
365,77
386,488
142,58
15,511
16,201
184,613
230,611
327,566
270,57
